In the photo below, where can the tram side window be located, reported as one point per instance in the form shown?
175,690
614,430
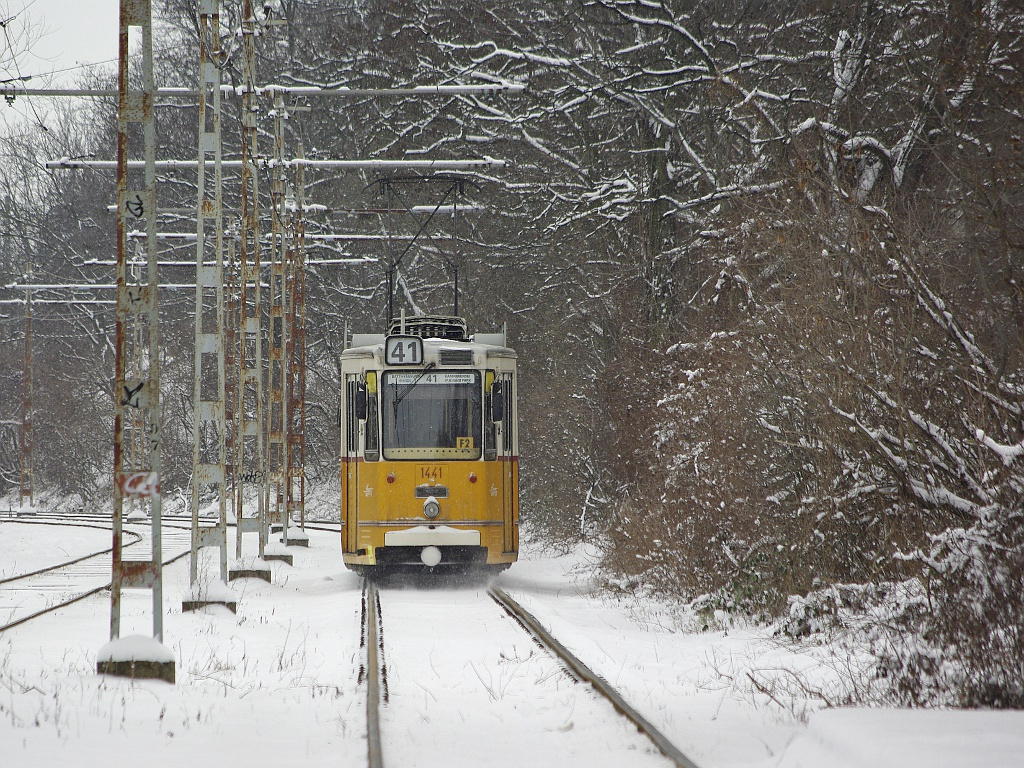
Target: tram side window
490,428
507,421
371,451
355,394
351,419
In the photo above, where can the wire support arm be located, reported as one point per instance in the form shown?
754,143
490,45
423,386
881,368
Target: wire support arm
67,163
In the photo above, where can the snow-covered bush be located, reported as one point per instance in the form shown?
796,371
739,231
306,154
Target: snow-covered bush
967,648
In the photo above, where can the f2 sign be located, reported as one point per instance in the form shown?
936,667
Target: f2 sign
138,485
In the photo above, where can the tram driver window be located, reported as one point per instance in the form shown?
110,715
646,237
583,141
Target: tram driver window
431,415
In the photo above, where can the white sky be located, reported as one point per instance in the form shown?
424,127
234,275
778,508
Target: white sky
66,34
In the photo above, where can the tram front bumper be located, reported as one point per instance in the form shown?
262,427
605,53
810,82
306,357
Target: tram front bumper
432,536
431,545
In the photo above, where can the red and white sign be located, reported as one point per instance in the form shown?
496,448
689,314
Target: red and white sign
138,485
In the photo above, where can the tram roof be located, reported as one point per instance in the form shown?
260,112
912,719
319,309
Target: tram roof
489,344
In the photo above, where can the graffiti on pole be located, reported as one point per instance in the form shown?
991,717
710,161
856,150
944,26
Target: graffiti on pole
138,485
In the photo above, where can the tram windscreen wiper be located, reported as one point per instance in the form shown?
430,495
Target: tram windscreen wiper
408,387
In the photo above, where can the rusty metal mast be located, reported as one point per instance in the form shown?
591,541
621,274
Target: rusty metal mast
137,307
26,406
231,425
208,426
277,331
134,443
250,460
295,449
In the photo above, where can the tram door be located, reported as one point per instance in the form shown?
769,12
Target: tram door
350,464
506,456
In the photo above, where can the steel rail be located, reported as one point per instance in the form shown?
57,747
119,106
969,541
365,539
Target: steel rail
66,563
52,608
82,596
371,619
584,674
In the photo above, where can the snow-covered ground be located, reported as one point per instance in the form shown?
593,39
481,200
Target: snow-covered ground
26,547
277,683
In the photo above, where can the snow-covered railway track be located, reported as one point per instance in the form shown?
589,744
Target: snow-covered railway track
373,672
83,559
27,596
449,678
584,674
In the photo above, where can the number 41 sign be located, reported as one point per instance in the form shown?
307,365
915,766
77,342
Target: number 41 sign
403,350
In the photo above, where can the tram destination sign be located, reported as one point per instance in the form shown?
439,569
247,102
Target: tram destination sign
401,379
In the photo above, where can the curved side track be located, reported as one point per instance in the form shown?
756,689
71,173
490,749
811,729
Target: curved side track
374,671
584,674
60,577
66,563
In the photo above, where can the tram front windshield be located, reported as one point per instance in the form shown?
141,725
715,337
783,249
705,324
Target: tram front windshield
431,415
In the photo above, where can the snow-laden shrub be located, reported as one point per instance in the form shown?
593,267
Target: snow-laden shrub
845,607
967,649
952,637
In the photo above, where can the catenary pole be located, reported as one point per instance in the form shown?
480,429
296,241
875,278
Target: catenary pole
208,399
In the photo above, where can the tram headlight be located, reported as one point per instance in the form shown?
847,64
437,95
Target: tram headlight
431,508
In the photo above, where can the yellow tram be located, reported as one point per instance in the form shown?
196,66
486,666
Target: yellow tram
429,461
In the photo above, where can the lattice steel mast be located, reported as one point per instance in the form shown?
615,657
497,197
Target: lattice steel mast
295,399
250,459
26,406
208,426
277,331
137,307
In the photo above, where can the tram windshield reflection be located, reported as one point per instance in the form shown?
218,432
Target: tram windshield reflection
431,415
